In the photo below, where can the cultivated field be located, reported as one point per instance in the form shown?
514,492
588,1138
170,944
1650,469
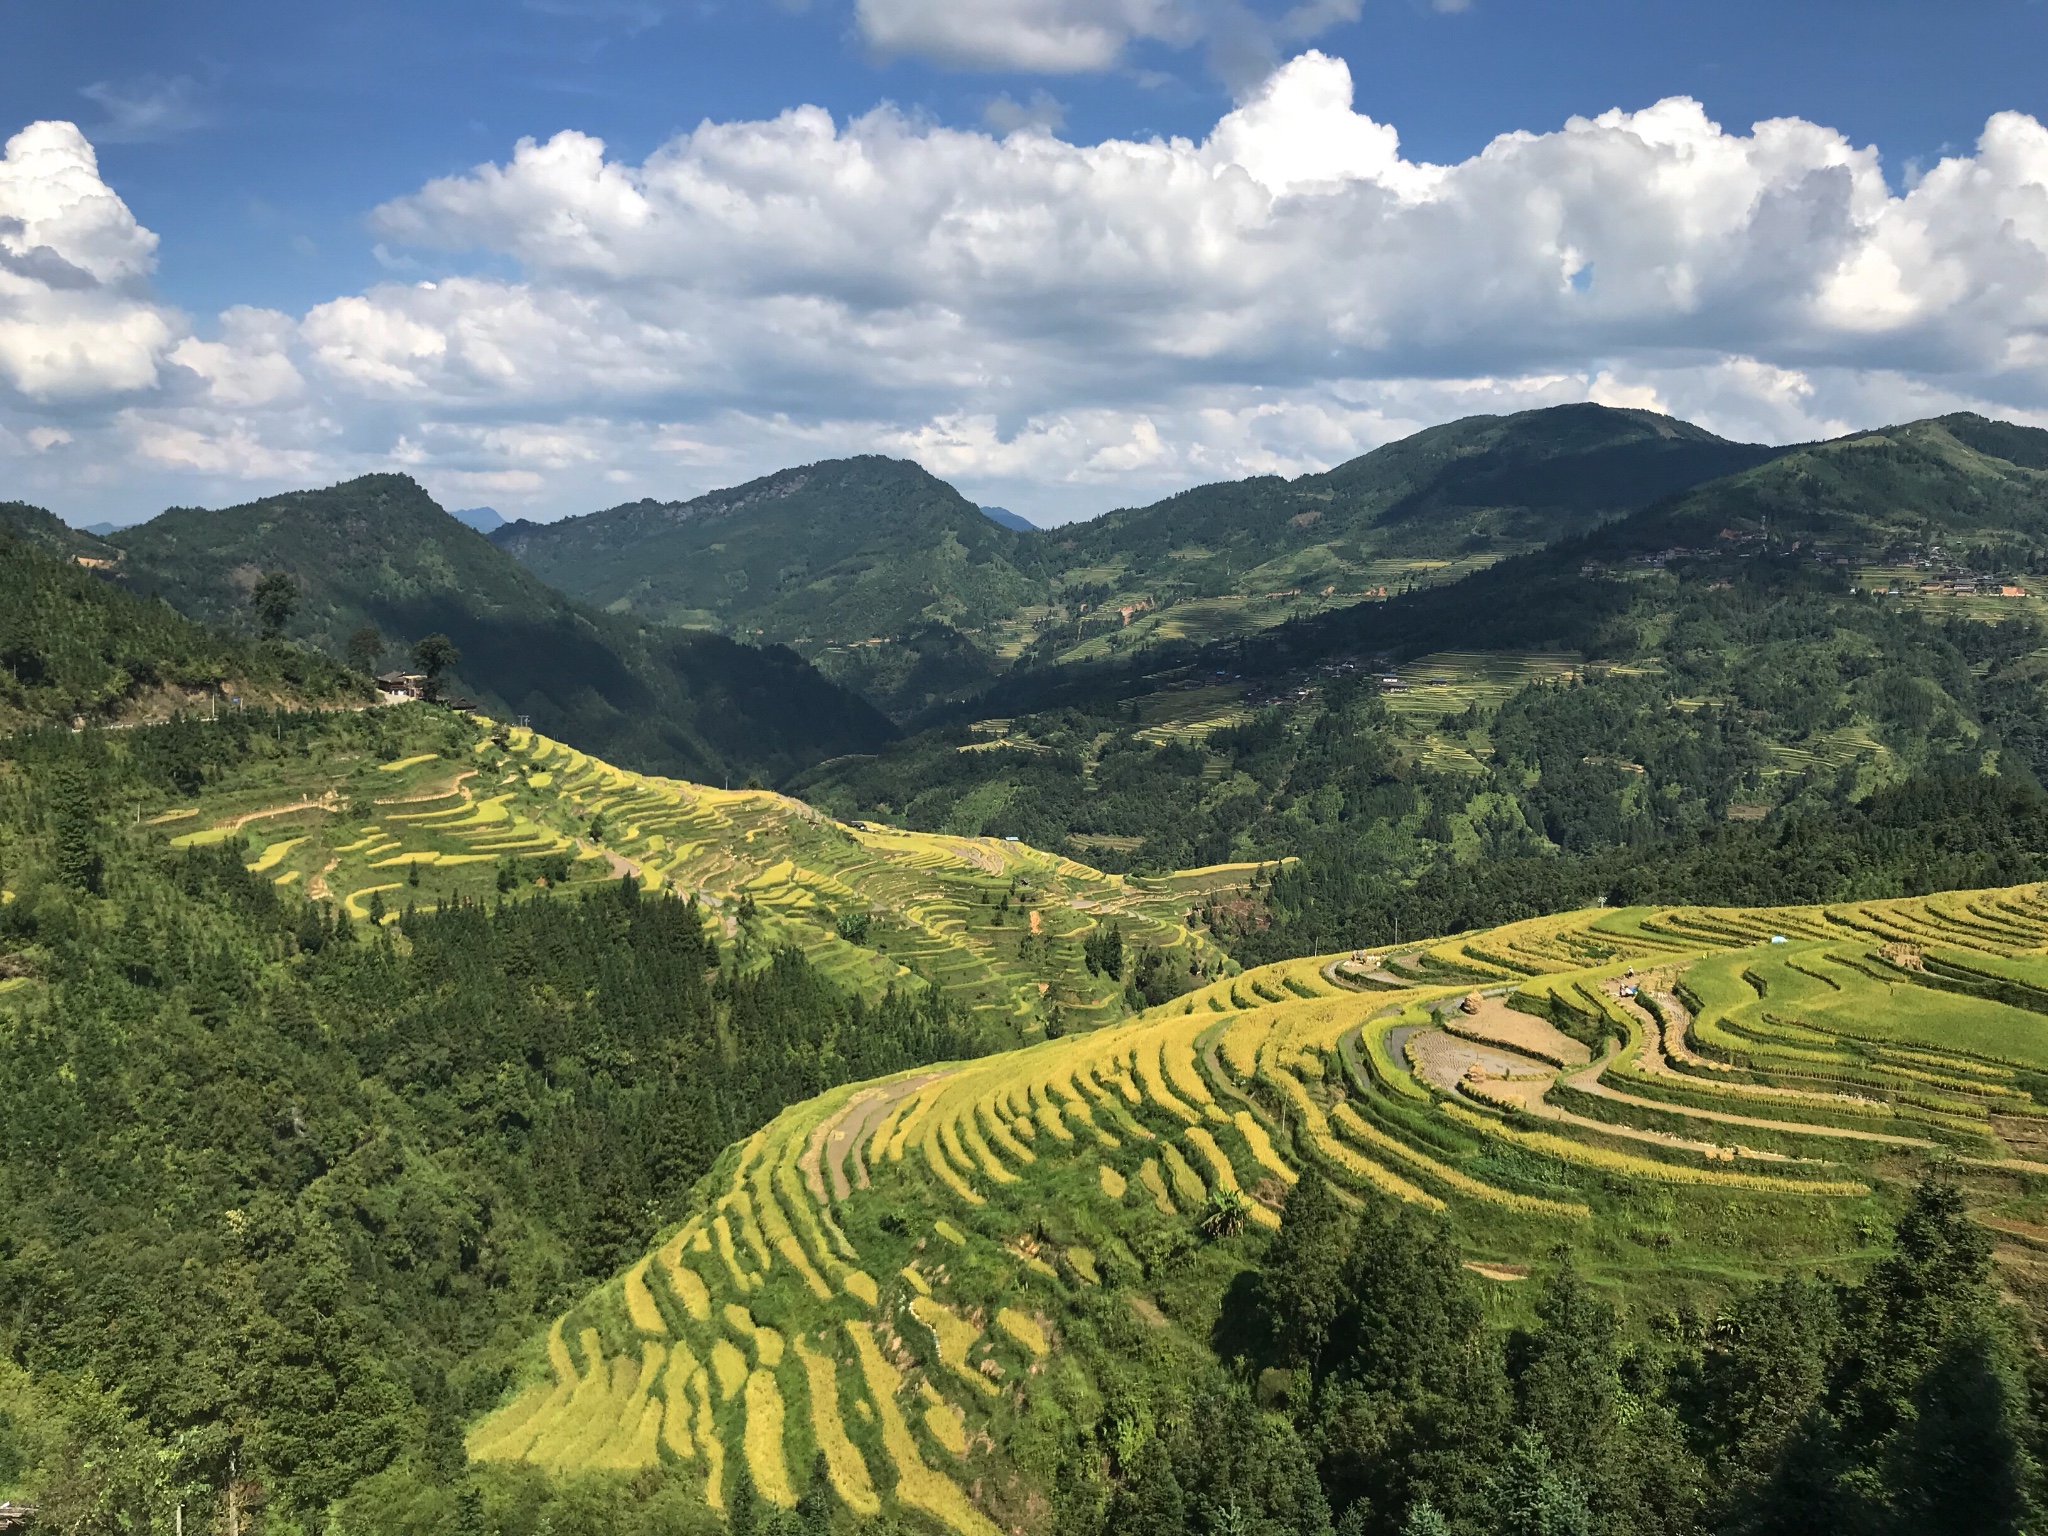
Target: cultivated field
1690,1098
997,925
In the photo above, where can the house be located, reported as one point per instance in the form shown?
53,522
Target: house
2008,590
16,1517
402,685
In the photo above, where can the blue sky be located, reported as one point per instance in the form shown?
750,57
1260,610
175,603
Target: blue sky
258,142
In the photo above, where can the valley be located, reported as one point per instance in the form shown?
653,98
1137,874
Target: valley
845,1014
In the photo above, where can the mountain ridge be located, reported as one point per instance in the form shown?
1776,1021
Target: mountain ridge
379,551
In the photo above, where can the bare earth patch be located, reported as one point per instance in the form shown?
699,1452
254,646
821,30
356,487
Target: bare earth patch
1442,1060
1498,1024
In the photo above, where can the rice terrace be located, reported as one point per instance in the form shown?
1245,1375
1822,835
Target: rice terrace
1691,1097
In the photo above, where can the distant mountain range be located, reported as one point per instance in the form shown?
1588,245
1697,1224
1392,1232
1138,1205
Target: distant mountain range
901,587
482,519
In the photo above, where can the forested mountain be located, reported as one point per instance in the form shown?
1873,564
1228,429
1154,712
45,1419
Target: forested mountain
1481,486
73,647
1679,691
888,578
377,555
898,585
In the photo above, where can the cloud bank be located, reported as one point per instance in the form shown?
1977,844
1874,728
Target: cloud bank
1057,326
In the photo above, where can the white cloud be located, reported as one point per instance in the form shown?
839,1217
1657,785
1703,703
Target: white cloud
1005,114
1043,36
1058,326
73,320
145,110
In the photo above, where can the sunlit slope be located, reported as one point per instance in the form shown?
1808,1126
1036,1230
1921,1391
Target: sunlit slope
929,1279
998,926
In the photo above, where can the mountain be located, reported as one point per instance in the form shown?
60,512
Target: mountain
1678,700
1926,502
482,519
379,552
1241,556
828,554
901,588
75,648
48,532
1003,517
887,578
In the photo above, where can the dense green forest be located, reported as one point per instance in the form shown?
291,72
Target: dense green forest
283,1197
369,568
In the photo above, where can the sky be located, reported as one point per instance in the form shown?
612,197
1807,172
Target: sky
553,255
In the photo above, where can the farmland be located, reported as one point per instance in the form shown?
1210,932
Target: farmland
997,926
1690,1099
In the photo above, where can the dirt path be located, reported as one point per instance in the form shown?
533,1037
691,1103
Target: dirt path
331,801
455,787
1221,1079
1350,981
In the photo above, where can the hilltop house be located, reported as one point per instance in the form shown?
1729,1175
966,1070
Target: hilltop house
402,685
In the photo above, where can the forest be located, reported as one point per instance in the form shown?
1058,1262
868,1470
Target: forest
282,1195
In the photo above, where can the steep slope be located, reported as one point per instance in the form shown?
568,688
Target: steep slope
899,586
1000,929
922,1282
73,647
46,531
378,551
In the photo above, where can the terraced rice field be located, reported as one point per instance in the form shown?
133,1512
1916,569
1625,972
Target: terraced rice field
1748,1092
997,926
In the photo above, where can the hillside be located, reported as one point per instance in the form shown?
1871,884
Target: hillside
831,558
73,648
1023,1292
380,1081
1666,700
376,1036
379,552
1240,556
897,585
998,927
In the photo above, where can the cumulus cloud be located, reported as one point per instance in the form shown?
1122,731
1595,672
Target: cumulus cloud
1084,36
1058,326
74,320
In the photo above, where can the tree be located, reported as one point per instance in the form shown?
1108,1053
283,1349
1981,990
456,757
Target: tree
365,647
275,598
1299,1291
435,655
